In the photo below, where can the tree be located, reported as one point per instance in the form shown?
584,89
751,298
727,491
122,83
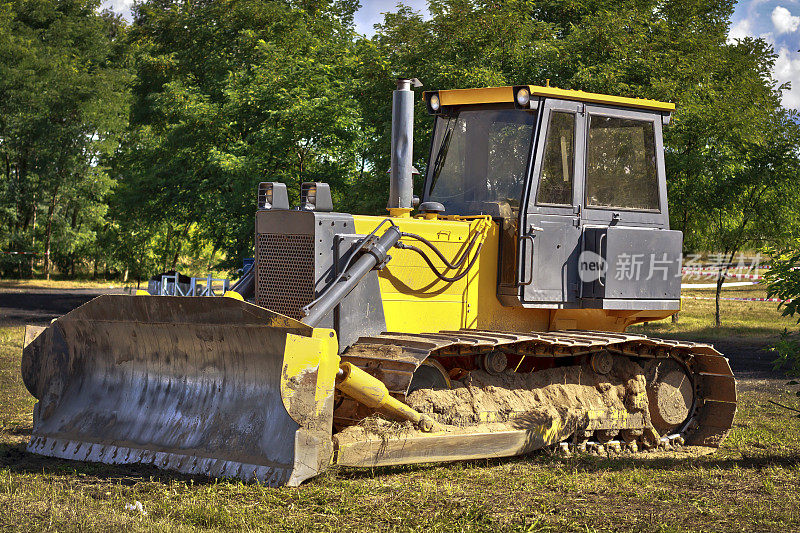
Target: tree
228,94
751,198
63,87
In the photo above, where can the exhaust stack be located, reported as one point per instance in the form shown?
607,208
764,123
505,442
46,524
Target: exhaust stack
401,185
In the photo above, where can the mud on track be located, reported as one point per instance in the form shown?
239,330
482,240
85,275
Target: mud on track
38,306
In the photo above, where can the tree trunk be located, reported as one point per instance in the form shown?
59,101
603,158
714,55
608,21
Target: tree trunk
166,247
181,238
33,231
7,161
720,281
48,233
723,271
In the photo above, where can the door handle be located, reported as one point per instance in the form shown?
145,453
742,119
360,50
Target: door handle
600,279
522,239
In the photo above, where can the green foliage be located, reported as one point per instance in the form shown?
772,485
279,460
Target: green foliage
63,103
228,94
787,350
783,280
783,277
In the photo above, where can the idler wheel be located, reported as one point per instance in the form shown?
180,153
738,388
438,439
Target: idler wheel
670,395
495,362
602,362
429,375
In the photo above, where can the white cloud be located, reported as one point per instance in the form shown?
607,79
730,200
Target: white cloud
787,68
783,20
123,7
740,30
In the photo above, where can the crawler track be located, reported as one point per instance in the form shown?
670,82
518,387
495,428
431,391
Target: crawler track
393,358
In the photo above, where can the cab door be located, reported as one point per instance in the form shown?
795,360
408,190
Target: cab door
550,228
625,181
625,213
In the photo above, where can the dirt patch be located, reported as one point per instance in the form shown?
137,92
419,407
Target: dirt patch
678,453
483,397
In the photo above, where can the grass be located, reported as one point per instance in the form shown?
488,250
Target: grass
750,484
754,321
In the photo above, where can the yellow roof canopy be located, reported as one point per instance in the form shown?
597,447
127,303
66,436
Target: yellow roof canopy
496,95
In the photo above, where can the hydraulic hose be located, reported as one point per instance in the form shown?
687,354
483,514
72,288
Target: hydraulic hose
376,253
457,264
433,267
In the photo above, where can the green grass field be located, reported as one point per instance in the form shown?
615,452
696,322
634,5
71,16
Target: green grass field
750,484
755,321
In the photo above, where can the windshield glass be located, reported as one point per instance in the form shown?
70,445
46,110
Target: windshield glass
479,157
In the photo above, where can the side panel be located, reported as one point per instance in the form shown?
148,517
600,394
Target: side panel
640,263
415,301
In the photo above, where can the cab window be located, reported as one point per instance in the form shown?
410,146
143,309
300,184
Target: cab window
621,164
556,177
480,156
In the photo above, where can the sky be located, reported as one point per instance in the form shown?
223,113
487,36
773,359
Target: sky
776,21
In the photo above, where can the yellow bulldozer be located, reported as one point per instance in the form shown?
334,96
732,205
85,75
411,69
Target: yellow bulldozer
485,319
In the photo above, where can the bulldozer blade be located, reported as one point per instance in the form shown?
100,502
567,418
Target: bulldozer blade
212,386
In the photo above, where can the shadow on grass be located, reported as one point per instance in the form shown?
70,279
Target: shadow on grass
591,464
17,459
710,334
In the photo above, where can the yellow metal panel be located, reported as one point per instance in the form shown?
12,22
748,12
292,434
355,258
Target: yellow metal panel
415,301
595,98
305,358
487,95
493,95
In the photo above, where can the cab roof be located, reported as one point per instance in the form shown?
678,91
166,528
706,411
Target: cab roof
497,95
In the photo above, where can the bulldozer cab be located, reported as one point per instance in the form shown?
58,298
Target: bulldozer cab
577,182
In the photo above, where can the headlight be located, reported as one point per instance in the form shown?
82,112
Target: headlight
272,195
523,97
435,103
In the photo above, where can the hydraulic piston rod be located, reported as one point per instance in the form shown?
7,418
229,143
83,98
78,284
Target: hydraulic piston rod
376,253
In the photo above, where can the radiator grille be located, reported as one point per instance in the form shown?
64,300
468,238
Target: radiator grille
284,272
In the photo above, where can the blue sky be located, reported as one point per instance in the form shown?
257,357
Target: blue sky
776,21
